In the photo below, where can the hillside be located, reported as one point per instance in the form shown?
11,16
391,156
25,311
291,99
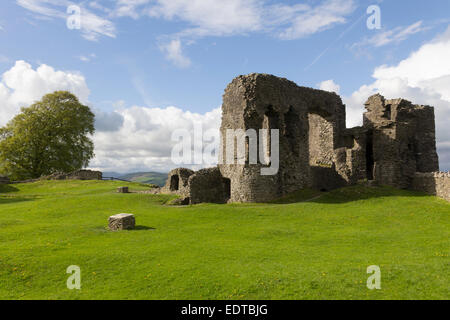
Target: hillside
156,178
316,249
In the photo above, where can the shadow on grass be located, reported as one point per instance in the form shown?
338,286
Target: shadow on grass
5,188
360,192
303,195
346,194
7,200
140,228
103,229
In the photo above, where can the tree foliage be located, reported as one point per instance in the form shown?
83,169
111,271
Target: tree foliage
52,135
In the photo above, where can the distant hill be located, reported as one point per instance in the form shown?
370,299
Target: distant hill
112,174
143,177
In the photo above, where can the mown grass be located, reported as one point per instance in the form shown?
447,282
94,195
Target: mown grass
315,249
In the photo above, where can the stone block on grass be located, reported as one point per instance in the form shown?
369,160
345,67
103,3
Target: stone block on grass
122,190
121,221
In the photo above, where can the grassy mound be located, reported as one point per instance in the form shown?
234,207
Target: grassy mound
309,245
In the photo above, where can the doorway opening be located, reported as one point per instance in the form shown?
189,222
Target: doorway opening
227,188
174,183
370,163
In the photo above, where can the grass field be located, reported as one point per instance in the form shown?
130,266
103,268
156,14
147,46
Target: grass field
317,249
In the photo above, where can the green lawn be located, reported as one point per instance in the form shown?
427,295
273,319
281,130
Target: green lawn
317,249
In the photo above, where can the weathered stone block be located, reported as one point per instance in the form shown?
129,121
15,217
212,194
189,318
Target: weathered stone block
122,190
121,221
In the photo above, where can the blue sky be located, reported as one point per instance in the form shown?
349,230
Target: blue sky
136,58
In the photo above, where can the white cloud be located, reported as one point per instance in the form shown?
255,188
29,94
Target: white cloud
428,63
92,25
37,6
87,58
22,85
211,17
202,18
395,35
143,142
129,8
319,18
3,59
107,121
241,17
174,53
126,139
329,85
218,18
423,78
98,6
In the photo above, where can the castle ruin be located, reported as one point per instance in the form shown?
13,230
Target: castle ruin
395,146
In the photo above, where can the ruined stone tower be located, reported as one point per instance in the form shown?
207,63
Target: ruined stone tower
316,150
310,124
401,141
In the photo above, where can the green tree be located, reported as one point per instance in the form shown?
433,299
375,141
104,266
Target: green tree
52,135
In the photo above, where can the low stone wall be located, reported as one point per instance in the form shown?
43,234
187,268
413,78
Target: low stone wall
177,182
435,183
326,179
85,175
208,185
4,180
76,175
205,185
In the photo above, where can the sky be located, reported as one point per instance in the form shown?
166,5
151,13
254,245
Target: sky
149,67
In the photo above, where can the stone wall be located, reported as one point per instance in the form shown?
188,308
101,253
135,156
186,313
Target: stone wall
401,140
177,182
316,150
350,159
85,175
208,185
435,183
310,123
76,175
205,185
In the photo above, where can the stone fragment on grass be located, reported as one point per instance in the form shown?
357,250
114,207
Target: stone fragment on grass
122,190
183,201
121,221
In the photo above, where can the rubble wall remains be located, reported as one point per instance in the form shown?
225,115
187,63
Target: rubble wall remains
316,149
435,183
